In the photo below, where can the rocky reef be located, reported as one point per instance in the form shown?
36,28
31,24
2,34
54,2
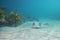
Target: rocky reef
13,19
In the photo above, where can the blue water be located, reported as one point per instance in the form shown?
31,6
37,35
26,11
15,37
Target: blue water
37,8
41,9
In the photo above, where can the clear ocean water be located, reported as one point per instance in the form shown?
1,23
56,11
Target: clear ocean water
46,11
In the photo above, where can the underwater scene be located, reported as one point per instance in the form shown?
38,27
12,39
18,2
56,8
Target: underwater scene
29,19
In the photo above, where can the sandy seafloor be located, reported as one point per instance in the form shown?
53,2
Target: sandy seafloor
26,32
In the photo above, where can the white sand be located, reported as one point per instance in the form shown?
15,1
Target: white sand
51,32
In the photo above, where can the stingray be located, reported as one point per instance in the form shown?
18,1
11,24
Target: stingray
36,26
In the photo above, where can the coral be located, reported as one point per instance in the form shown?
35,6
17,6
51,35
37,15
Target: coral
13,19
2,15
